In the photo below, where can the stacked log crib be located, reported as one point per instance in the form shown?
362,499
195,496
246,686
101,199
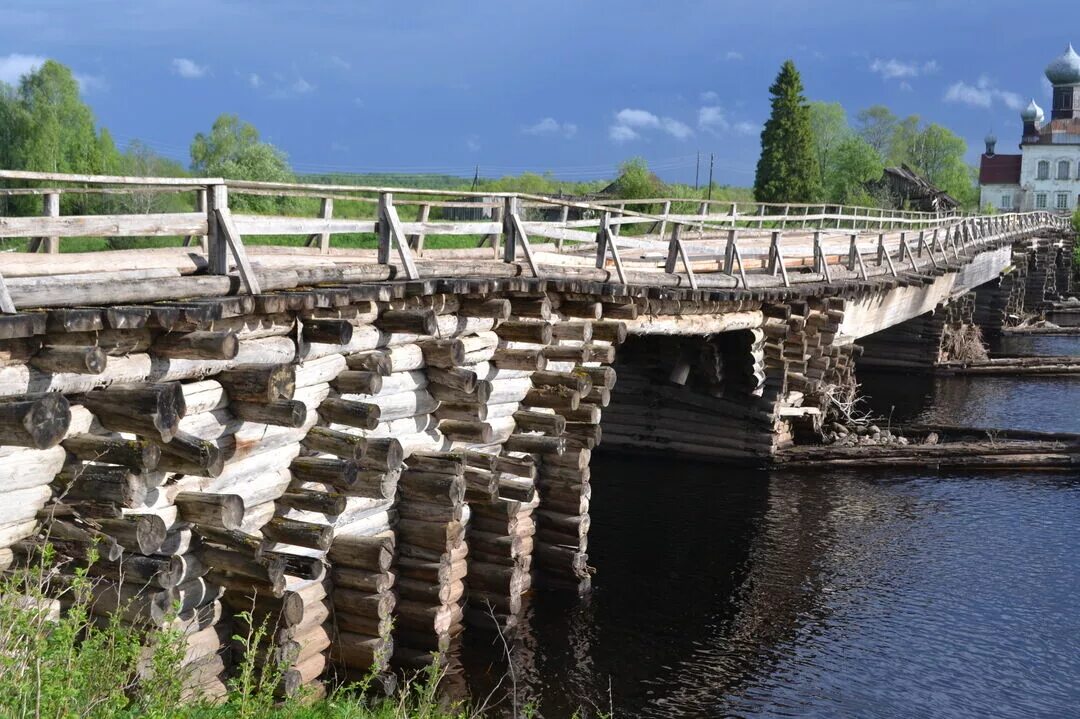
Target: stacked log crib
361,470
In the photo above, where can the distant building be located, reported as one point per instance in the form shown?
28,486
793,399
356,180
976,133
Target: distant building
1046,173
908,190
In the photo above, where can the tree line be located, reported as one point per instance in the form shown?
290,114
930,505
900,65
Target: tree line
810,152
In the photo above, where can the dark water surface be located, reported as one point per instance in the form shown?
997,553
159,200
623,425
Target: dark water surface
728,592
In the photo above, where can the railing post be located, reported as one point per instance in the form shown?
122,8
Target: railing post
729,251
509,232
663,222
564,216
52,209
326,211
776,259
217,251
605,240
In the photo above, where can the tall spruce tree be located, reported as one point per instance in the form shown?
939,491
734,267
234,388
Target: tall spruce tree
787,170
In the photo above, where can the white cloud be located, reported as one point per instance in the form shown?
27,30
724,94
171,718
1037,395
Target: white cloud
254,80
631,117
551,126
14,66
709,96
746,128
90,83
188,69
678,130
472,143
631,122
301,86
733,55
982,94
339,63
712,119
893,69
622,133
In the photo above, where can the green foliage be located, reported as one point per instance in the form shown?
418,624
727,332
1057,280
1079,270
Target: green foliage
851,165
46,127
79,665
233,150
636,182
828,123
787,170
876,125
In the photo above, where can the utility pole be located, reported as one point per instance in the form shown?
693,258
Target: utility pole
476,178
697,169
710,175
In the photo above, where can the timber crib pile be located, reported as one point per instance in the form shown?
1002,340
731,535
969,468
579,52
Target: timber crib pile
362,470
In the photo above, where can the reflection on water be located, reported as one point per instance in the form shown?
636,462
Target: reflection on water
723,591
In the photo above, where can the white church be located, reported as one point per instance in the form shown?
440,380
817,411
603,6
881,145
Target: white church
1046,175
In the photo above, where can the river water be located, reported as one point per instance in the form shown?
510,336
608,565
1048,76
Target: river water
729,592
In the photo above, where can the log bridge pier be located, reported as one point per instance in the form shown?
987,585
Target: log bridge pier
374,448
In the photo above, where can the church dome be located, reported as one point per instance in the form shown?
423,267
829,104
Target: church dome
1032,113
1065,70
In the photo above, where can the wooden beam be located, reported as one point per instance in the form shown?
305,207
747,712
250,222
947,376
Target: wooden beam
676,251
157,225
525,246
7,305
391,233
605,240
227,228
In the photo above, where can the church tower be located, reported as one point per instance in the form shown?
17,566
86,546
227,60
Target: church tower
1064,74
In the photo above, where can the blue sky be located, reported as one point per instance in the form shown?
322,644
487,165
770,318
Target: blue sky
561,86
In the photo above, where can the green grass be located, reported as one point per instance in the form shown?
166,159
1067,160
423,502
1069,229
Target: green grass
76,666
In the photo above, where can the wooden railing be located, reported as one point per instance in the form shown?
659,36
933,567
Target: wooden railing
739,238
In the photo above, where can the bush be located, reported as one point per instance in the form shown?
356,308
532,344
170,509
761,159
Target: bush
75,664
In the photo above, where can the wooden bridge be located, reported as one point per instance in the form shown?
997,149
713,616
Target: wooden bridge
376,445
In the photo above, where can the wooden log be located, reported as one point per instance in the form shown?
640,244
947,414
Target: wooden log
146,410
535,443
337,332
419,321
282,412
443,353
80,360
578,381
358,382
197,346
461,379
467,431
339,444
101,483
533,332
374,553
225,511
584,310
553,424
39,422
143,533
259,383
539,307
609,331
432,487
263,569
311,501
137,454
302,534
498,309
519,359
554,397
